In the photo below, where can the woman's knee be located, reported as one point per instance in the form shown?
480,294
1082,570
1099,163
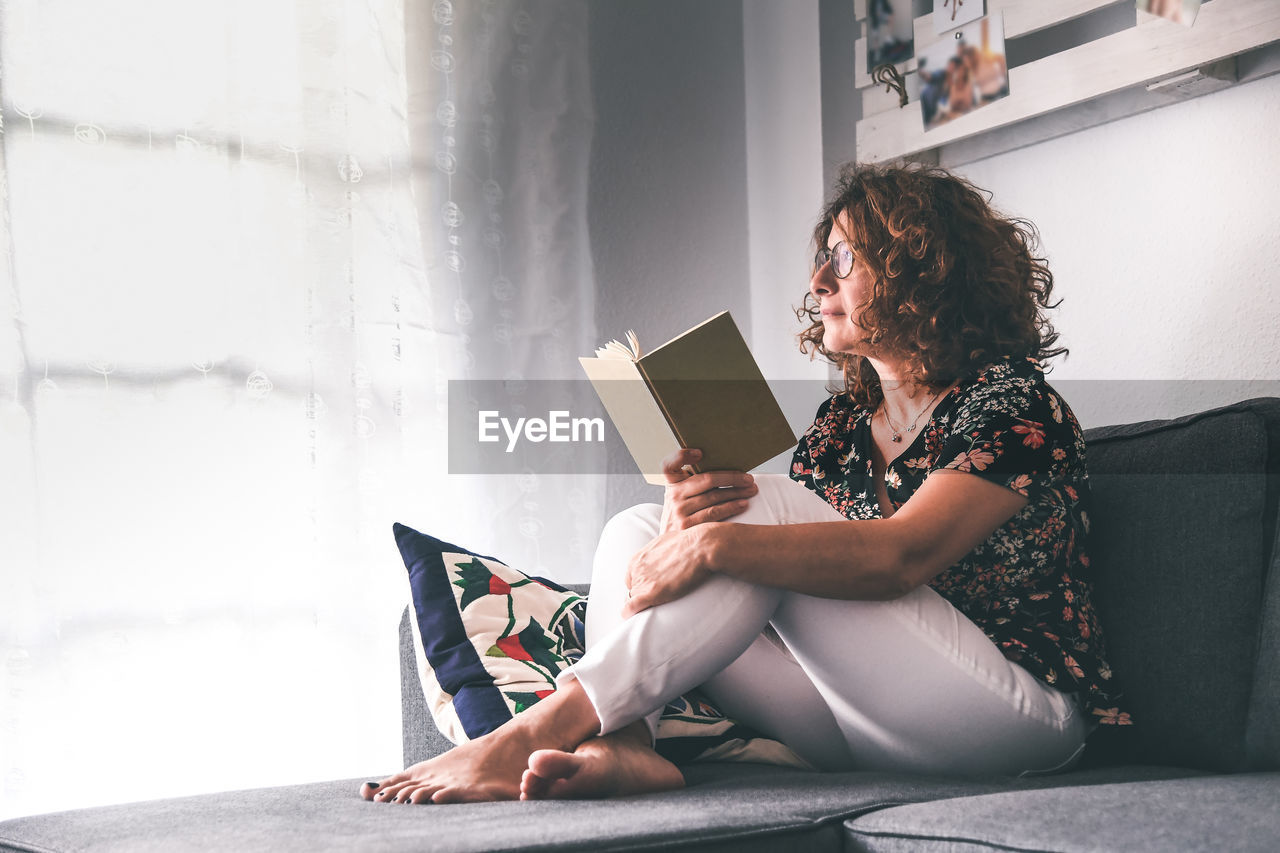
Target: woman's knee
635,522
623,535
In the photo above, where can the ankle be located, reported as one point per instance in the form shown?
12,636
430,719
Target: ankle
637,733
575,717
563,721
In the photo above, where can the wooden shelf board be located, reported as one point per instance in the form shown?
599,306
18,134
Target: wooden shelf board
1021,17
1153,50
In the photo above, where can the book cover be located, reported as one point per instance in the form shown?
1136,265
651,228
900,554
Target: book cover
701,389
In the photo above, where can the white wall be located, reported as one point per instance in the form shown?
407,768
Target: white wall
783,84
706,177
784,174
1161,231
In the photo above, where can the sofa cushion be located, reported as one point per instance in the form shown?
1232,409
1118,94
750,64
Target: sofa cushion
1235,813
726,807
1180,544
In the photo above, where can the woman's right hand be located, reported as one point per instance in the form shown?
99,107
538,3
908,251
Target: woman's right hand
693,499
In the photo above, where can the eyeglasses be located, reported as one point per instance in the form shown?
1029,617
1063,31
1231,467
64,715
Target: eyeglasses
840,258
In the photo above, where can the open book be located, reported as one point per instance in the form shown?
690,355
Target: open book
701,389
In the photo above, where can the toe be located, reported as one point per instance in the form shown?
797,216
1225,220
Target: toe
533,786
389,793
419,795
377,791
371,790
446,795
553,764
465,795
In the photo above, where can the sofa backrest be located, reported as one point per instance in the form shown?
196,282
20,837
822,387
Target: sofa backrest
1188,591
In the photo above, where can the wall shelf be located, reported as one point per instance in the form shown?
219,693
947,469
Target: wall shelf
1110,77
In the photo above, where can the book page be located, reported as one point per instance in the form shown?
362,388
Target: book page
616,349
634,412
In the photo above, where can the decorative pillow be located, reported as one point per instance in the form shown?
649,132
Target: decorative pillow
692,729
490,641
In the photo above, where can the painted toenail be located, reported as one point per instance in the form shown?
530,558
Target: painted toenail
372,784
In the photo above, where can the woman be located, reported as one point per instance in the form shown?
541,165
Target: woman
923,574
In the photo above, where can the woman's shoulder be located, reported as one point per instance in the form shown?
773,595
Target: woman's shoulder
839,407
1010,375
836,418
1009,424
1010,379
1011,388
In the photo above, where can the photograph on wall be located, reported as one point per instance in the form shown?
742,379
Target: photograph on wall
949,14
1181,11
890,32
963,72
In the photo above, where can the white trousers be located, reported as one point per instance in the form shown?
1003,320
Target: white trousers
909,684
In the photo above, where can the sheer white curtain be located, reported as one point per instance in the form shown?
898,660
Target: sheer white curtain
501,123
229,308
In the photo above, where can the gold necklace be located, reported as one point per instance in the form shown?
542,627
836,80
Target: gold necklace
894,431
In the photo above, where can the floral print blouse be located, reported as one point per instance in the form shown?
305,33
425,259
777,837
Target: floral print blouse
1027,586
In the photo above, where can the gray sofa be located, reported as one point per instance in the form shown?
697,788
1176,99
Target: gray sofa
1188,581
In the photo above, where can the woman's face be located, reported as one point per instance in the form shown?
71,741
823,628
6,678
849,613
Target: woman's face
839,298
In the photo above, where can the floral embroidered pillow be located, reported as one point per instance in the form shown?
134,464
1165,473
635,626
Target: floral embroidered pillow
489,639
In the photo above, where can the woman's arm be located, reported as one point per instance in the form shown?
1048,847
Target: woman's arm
949,515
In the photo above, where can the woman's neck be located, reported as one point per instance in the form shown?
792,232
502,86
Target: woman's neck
905,398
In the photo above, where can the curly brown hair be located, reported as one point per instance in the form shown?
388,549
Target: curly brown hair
955,285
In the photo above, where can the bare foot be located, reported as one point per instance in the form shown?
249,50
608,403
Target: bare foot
490,767
487,768
608,766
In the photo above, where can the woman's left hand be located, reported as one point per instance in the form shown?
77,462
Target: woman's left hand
670,567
